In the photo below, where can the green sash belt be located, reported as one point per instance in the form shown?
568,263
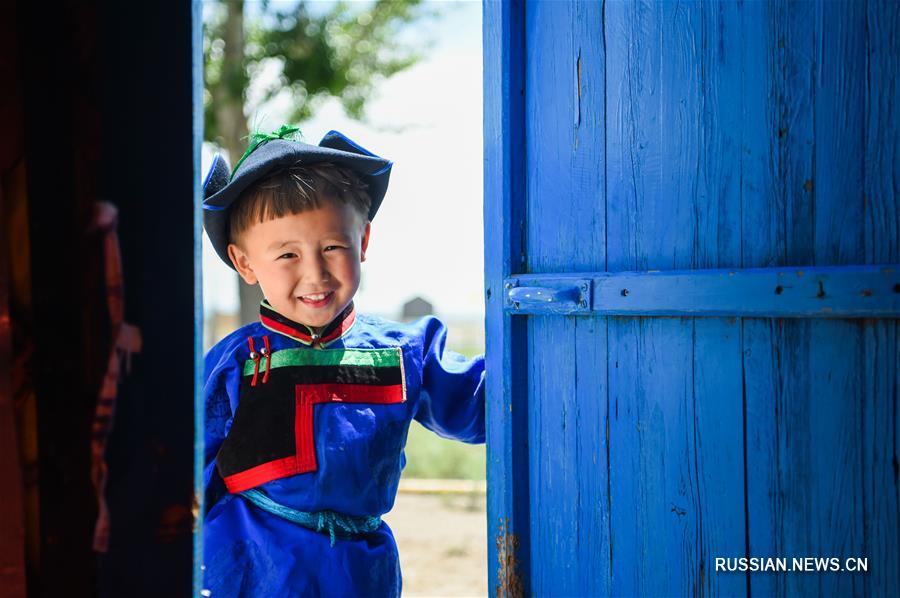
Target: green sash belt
337,524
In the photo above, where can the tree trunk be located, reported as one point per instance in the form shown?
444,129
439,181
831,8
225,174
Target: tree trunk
228,96
229,93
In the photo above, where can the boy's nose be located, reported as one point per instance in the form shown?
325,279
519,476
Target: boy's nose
314,270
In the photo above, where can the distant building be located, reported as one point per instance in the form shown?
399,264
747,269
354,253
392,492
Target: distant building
416,308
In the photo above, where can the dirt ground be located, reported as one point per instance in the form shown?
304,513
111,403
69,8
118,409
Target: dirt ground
443,543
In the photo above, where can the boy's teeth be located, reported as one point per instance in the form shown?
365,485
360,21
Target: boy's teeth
317,297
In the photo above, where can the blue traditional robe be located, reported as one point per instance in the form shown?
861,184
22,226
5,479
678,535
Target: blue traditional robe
318,423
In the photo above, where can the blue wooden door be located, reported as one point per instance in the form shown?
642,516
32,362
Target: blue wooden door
692,246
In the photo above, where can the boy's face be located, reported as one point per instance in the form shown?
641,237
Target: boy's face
308,264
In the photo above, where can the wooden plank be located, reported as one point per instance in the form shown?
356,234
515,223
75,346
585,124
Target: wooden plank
764,396
507,463
833,471
827,462
778,134
797,450
803,379
197,505
717,451
816,292
881,441
880,447
566,230
765,49
654,102
568,450
794,491
656,532
763,133
552,432
882,134
839,153
593,541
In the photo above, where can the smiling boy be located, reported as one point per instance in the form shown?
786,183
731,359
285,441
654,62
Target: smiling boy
307,410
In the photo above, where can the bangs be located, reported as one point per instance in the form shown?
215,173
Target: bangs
297,189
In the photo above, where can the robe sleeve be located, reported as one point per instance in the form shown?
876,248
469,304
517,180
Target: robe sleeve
451,401
218,416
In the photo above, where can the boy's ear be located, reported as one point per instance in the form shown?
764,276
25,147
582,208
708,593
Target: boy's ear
241,263
365,242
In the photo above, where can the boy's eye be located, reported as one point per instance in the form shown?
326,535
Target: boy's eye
331,247
288,255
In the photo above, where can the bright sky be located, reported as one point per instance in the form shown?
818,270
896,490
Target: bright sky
427,237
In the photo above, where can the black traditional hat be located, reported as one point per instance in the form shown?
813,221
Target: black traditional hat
269,153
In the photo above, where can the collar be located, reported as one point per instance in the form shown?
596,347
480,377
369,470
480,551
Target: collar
276,322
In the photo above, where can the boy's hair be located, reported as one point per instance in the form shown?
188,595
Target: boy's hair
296,189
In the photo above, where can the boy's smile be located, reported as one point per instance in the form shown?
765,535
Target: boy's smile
307,264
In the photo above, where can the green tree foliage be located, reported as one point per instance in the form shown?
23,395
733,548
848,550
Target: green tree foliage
341,49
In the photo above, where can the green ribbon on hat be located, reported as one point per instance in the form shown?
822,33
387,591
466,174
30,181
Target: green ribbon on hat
257,138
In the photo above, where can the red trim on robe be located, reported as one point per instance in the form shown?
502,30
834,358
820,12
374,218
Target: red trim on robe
284,329
338,332
306,397
250,478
